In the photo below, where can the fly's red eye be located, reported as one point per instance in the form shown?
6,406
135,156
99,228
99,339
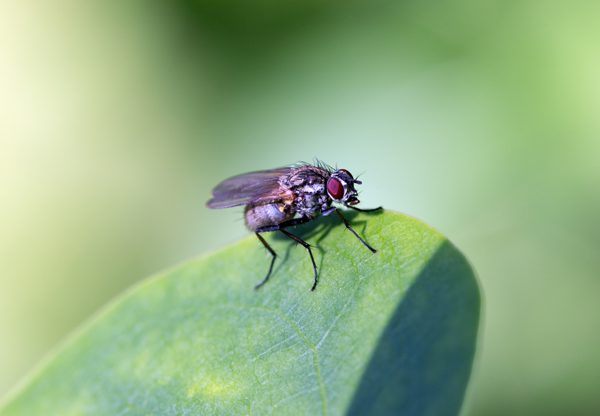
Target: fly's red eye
335,188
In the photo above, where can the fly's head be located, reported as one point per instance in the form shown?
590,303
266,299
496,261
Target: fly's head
340,187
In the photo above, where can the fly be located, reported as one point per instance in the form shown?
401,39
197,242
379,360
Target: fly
280,198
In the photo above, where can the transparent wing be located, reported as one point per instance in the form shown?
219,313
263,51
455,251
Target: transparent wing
261,186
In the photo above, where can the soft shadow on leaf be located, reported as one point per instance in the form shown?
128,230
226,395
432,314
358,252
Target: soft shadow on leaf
316,231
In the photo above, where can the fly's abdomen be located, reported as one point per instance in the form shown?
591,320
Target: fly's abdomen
265,215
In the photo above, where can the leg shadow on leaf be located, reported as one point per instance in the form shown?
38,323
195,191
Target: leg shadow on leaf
318,230
422,363
313,233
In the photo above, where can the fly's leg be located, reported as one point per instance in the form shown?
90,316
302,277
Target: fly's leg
348,226
328,211
285,224
365,210
295,221
279,227
274,256
307,247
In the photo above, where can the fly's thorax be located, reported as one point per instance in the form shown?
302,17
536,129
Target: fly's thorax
310,199
257,216
304,175
307,184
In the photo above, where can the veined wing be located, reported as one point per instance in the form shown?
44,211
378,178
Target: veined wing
249,187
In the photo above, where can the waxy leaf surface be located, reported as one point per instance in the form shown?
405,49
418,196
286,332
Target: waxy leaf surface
386,333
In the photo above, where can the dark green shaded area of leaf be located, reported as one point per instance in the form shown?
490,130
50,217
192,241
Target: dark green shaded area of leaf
422,355
390,333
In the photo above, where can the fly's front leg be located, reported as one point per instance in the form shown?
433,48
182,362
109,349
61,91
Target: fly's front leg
363,209
328,211
348,226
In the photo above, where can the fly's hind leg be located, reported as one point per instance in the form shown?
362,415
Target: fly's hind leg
274,256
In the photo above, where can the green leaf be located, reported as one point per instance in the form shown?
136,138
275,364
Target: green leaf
391,332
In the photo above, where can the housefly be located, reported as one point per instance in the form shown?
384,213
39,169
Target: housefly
280,198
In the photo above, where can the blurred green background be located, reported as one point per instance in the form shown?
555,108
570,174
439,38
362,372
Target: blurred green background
478,117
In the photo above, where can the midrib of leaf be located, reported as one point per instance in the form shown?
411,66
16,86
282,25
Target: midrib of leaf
311,346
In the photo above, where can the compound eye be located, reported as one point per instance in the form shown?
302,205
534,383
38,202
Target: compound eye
335,188
346,172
